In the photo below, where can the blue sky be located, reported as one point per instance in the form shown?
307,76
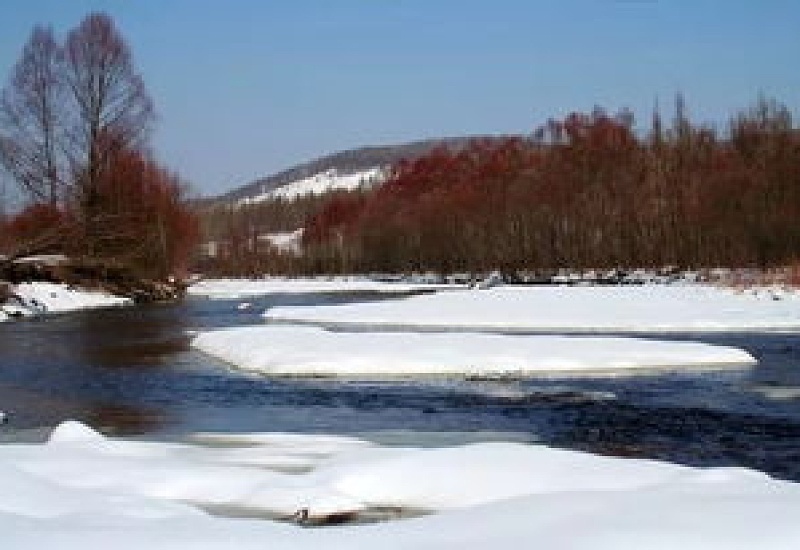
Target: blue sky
245,88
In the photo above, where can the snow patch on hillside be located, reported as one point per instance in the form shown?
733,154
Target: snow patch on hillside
289,242
323,182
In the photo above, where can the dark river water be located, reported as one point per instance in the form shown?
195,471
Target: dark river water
131,372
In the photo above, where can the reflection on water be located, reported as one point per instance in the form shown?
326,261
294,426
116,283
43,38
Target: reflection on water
131,372
127,370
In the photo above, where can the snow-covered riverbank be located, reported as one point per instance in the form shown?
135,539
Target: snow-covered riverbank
643,308
82,490
239,288
41,298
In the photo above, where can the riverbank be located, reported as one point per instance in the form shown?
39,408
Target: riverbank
571,309
81,489
38,298
228,289
56,284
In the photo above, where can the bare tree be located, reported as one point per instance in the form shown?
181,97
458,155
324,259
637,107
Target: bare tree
110,97
30,124
111,106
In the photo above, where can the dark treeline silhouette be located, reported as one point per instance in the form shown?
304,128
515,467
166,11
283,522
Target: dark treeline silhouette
583,192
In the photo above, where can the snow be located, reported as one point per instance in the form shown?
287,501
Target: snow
310,351
82,490
44,259
287,241
322,182
41,297
645,308
781,393
237,288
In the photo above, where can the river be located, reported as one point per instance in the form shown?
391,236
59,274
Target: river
131,372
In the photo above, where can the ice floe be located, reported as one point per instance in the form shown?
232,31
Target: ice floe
310,351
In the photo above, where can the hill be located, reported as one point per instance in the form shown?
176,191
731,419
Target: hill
343,169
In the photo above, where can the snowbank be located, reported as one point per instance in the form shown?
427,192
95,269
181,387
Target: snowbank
82,490
309,351
39,297
237,288
644,308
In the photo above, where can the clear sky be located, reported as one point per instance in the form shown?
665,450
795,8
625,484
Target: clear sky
245,88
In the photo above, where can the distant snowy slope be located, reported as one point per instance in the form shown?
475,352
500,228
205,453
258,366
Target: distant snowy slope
322,182
355,162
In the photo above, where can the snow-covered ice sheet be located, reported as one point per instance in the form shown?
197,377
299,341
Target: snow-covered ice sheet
236,288
644,308
82,490
41,297
310,351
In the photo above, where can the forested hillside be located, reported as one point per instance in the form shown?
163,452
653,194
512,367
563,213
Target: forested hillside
238,223
585,191
588,191
345,161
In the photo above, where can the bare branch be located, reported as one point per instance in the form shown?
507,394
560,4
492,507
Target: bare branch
30,119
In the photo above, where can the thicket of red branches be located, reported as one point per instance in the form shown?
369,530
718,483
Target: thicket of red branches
139,221
586,191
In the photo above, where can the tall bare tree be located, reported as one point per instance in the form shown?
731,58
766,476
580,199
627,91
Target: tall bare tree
30,119
111,105
74,123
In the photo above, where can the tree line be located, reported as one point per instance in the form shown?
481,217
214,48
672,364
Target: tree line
237,232
75,119
587,191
